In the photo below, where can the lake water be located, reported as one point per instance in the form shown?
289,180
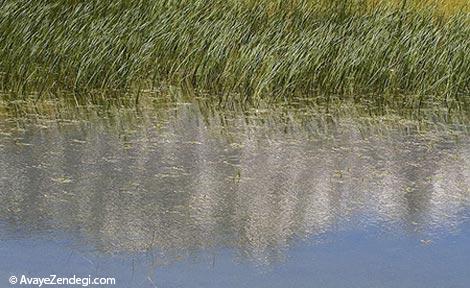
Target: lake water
188,198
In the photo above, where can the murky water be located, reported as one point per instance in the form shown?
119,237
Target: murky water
190,199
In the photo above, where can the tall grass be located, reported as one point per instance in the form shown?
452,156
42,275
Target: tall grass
262,48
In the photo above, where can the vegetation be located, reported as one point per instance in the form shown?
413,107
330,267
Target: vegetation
253,49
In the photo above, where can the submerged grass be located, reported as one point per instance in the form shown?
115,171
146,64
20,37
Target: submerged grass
255,49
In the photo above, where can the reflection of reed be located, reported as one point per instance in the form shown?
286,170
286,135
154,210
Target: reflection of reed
184,187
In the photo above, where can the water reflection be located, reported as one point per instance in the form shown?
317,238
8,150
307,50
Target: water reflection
186,181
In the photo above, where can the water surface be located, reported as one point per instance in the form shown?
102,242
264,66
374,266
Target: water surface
188,198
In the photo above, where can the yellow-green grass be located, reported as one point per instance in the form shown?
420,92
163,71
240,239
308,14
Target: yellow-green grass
246,49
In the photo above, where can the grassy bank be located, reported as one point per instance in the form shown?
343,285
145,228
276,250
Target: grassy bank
263,48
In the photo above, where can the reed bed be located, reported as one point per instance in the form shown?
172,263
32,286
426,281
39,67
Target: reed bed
247,49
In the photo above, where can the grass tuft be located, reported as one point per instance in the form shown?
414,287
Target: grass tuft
262,48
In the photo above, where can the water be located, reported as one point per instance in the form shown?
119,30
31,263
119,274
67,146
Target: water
183,197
